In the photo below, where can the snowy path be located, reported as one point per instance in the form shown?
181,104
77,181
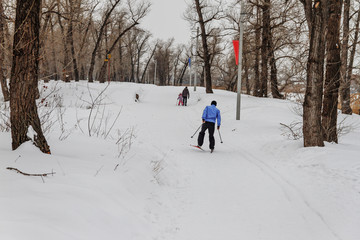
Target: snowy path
247,200
257,185
231,194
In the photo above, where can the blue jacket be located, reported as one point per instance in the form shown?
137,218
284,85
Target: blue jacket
211,114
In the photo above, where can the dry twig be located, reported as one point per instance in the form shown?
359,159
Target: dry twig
31,174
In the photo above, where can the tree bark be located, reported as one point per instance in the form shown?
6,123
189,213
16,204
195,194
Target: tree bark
183,72
308,11
205,48
257,86
353,51
246,71
332,77
345,81
4,86
24,76
70,41
53,54
273,72
312,129
265,47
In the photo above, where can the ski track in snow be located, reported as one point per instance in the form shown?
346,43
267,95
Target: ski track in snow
194,205
244,190
287,188
291,193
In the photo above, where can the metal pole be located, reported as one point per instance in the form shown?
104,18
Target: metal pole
238,102
190,71
220,136
190,63
196,131
196,63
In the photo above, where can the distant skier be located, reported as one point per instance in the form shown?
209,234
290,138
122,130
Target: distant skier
210,115
186,95
180,100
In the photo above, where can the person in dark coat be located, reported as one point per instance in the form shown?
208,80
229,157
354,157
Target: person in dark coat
186,95
210,115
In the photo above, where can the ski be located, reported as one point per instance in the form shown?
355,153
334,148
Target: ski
195,146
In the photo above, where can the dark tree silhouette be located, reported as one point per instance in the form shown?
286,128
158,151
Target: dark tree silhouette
24,76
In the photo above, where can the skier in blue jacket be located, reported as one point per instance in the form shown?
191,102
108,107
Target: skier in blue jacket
210,115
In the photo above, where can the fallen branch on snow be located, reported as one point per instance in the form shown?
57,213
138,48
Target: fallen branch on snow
31,174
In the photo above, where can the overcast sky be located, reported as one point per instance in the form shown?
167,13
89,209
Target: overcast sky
165,20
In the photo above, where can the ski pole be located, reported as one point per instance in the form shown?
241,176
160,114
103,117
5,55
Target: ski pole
220,136
196,131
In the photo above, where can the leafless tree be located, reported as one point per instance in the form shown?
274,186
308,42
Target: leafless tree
163,56
136,13
332,77
265,47
142,80
345,81
312,128
24,76
205,13
3,81
355,42
100,35
141,44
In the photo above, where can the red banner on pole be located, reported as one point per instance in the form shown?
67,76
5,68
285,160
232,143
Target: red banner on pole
236,50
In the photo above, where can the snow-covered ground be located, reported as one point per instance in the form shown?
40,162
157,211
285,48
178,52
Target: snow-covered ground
137,178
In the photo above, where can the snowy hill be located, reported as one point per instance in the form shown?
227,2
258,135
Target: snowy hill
137,178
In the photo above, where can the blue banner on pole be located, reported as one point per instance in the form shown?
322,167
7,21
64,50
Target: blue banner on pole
189,61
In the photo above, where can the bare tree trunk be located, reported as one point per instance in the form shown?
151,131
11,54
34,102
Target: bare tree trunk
332,78
308,12
121,64
70,41
44,60
265,47
345,81
257,86
101,31
312,129
202,77
139,54
273,78
82,44
353,50
183,72
66,62
147,64
24,76
176,65
103,67
246,71
273,71
53,53
205,48
4,86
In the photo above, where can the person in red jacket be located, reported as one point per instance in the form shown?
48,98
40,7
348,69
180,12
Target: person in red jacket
180,100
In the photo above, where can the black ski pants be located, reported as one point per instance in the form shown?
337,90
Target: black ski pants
211,128
185,101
